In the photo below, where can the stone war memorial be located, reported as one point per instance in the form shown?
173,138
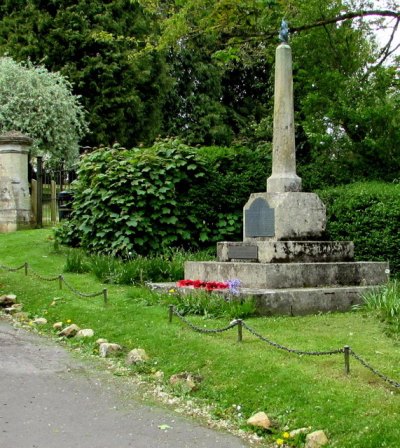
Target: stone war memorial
283,261
15,200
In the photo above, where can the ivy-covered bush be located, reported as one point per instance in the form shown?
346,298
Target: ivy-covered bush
369,215
144,200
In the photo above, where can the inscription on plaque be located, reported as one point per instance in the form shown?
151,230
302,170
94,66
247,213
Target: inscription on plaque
243,252
259,219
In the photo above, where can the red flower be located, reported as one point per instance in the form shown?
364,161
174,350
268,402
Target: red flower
209,286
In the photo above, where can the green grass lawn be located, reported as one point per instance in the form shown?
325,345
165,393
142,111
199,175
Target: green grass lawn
356,410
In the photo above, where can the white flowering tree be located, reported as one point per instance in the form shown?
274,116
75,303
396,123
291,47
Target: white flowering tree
40,104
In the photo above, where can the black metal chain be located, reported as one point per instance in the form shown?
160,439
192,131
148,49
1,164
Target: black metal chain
81,294
6,268
290,350
52,279
204,330
41,277
373,370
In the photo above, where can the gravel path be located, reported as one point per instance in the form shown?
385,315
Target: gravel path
48,399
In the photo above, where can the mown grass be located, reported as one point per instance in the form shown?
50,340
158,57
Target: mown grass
358,410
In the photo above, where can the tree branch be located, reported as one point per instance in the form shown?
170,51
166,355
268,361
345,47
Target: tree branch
347,16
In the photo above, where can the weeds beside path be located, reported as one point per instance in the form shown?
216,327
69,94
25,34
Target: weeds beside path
358,410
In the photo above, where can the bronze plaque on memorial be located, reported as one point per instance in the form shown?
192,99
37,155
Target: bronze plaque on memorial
259,219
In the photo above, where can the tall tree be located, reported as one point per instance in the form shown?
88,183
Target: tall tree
344,92
40,104
96,45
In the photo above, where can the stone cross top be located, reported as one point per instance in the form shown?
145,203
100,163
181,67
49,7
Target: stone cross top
284,177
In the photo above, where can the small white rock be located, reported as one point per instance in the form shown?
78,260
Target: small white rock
107,348
58,325
85,333
40,321
260,419
101,341
69,331
316,439
136,356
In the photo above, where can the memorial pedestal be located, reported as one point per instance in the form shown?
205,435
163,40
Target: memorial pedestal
284,262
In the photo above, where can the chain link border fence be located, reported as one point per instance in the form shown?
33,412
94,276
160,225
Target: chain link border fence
60,278
346,350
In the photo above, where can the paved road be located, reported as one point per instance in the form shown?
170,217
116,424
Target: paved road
48,399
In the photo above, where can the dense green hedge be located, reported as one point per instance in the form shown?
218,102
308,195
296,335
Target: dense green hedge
369,215
146,199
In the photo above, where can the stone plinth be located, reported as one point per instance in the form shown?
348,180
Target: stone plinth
283,216
15,203
291,301
290,275
286,251
299,302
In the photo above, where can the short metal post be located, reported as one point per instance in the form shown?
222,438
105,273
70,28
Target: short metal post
346,352
60,281
26,268
105,295
240,330
170,313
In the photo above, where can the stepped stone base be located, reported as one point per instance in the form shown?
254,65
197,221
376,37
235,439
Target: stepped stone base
290,275
286,251
294,301
298,302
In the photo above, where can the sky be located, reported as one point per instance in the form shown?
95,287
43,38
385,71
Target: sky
383,35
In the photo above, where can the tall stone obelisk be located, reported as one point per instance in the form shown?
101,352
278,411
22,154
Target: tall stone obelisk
284,259
284,177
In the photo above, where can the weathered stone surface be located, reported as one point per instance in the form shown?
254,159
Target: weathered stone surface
316,439
260,420
290,275
287,251
108,348
284,177
57,325
7,300
136,356
85,333
186,380
294,301
69,331
297,216
40,321
15,204
101,341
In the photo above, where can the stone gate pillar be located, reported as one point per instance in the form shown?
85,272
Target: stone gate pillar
15,202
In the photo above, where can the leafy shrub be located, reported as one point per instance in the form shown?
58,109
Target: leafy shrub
369,215
146,200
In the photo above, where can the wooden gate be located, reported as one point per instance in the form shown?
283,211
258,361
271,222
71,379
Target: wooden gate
49,187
